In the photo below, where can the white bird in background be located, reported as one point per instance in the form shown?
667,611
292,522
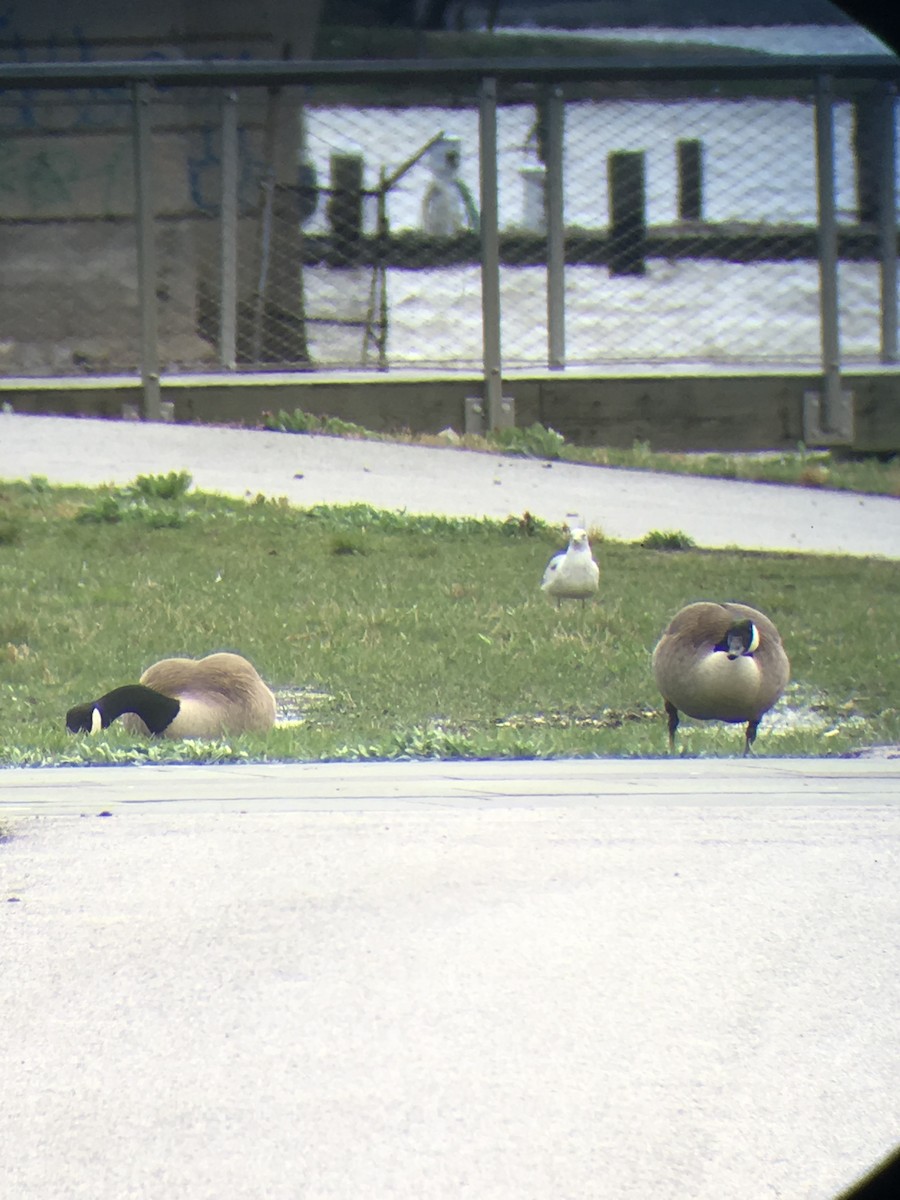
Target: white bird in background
572,574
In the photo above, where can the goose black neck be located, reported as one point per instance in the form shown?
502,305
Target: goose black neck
155,710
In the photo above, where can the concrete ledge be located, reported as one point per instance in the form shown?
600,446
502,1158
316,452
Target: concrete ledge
677,409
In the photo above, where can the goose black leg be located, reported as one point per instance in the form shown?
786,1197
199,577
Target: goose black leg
750,736
672,713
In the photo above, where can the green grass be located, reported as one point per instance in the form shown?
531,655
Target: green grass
396,636
823,469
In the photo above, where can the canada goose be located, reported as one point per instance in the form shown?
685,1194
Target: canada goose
572,574
185,697
720,662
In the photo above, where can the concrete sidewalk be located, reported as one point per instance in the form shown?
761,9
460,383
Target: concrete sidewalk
626,505
459,786
436,980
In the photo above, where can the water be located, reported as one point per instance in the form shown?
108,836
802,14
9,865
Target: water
759,166
783,39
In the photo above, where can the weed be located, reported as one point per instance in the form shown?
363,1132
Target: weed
303,422
344,544
10,532
534,441
669,539
162,487
149,500
106,510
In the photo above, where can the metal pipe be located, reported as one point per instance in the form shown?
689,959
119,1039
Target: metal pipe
887,228
146,252
228,217
549,70
828,257
497,415
556,239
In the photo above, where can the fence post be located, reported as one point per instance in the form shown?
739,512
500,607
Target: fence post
500,412
228,216
556,240
146,252
690,180
627,212
887,228
827,417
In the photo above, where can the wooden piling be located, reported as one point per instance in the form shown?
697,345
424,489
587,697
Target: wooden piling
627,212
690,180
345,204
870,112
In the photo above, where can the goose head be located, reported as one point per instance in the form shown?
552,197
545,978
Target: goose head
155,710
741,638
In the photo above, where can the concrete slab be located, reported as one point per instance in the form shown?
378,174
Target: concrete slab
456,786
307,470
432,980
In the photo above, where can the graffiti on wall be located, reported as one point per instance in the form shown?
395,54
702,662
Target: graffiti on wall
38,180
39,175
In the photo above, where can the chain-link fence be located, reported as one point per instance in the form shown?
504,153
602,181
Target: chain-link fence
333,226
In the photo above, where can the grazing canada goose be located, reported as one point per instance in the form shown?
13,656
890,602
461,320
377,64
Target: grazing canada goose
185,697
720,662
572,574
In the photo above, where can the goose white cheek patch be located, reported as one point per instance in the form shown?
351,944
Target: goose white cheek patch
96,721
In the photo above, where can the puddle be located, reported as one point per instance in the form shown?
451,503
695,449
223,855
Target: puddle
292,704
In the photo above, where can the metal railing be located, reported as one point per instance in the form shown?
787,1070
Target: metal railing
482,214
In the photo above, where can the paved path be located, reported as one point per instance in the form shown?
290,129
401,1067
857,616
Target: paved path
457,786
504,981
311,470
436,980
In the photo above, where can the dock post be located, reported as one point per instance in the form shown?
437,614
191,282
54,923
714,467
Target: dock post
690,180
345,205
627,212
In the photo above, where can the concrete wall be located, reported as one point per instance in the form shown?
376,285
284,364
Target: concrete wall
715,413
67,195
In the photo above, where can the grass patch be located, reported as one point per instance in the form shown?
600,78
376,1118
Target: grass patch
395,636
668,539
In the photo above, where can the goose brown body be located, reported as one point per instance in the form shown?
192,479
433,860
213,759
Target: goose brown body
184,697
698,675
220,694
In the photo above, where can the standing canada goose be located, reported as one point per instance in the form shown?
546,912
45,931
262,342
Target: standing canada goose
572,574
720,662
185,697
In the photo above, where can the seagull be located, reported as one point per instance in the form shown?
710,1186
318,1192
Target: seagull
572,574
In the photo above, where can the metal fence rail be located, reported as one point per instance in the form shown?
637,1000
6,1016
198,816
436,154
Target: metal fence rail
229,216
